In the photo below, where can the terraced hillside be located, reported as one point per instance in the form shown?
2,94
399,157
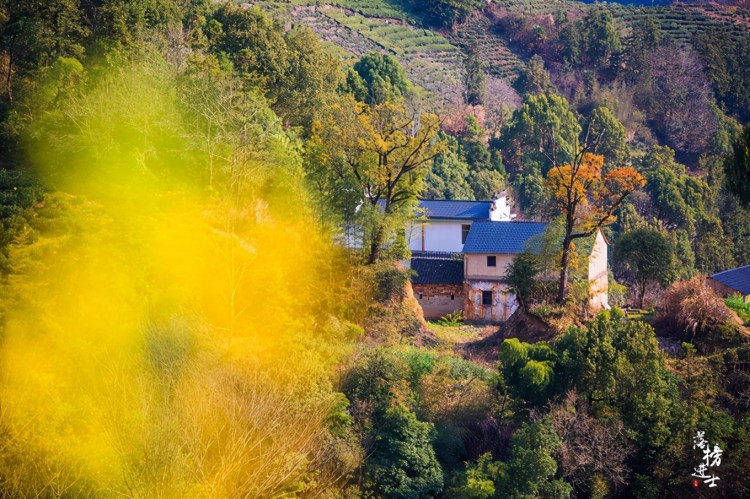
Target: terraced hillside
539,7
478,32
430,60
390,9
433,60
682,22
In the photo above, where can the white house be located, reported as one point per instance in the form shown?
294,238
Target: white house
444,225
460,253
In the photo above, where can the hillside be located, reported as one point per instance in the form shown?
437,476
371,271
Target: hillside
434,58
409,249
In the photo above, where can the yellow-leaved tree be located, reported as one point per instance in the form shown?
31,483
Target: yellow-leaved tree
381,153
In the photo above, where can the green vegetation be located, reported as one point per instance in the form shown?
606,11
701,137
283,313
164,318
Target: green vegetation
738,304
646,257
203,210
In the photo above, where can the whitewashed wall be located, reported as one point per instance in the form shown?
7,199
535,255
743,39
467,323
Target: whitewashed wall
598,277
438,236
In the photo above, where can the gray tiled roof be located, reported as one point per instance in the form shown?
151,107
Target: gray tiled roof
456,210
437,270
738,279
501,237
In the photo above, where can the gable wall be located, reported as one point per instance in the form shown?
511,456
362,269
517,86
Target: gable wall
598,274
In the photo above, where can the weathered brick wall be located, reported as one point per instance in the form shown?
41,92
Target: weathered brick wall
438,300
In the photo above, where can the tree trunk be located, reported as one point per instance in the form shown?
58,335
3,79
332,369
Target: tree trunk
375,246
562,290
643,293
9,78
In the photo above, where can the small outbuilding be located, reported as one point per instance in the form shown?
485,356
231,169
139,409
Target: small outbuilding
731,282
438,283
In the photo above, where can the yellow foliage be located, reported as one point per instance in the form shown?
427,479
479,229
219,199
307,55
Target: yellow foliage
582,191
162,339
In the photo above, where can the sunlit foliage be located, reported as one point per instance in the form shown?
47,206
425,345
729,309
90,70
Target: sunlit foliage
169,308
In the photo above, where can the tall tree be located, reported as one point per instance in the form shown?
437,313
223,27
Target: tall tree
542,131
588,199
254,42
534,79
601,36
384,152
34,33
378,78
725,56
474,78
645,36
645,256
678,199
403,462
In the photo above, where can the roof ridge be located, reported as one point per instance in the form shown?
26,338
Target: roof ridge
456,200
730,270
513,222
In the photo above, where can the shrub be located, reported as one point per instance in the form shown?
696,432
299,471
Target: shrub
691,308
403,462
453,319
737,304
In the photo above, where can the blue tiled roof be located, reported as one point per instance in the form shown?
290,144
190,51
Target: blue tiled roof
437,270
456,210
738,279
501,237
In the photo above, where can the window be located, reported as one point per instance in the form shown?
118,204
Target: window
420,296
486,297
492,261
464,232
453,297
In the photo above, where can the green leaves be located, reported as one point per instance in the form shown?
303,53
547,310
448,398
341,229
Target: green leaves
645,256
531,468
737,168
403,462
381,79
528,368
545,128
446,12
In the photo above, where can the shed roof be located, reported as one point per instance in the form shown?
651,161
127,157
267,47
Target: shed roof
737,279
437,270
501,237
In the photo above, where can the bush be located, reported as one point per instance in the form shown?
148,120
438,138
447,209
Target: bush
453,319
737,304
691,309
403,462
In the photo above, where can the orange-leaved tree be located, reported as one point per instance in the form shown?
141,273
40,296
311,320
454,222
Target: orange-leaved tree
588,197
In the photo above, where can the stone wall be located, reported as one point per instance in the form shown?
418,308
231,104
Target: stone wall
504,302
438,300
